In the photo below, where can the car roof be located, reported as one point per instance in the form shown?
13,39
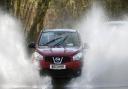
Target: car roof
67,30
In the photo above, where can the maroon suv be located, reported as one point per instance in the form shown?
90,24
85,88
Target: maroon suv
58,52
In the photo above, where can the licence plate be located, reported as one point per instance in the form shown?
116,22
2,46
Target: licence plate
57,67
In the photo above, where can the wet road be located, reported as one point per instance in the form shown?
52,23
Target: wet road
60,83
63,82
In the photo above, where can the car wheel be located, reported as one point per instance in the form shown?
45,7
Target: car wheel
78,73
42,73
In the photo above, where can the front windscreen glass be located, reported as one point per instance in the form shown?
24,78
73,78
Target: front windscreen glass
59,38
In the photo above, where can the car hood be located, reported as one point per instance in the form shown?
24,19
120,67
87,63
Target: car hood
58,51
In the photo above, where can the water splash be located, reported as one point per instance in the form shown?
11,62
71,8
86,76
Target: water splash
16,70
106,59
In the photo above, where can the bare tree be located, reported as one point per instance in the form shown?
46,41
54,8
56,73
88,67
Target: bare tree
41,11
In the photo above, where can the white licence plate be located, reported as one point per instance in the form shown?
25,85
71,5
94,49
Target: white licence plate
57,67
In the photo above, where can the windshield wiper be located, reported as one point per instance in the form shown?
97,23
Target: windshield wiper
51,41
61,41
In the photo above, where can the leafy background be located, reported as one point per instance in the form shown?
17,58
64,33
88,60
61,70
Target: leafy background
41,14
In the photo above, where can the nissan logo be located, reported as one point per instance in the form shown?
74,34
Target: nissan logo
57,60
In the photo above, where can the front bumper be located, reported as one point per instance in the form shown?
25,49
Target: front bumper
73,65
61,73
71,69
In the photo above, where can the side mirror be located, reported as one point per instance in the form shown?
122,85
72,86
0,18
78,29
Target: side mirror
32,45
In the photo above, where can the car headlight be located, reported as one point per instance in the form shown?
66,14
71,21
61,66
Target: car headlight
36,56
78,56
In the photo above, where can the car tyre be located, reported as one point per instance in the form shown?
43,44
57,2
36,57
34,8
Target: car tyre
78,73
42,73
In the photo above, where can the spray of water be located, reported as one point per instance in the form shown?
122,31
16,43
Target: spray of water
106,59
16,70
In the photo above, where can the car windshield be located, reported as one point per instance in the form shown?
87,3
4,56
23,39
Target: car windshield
59,38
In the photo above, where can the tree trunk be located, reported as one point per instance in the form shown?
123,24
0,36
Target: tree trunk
41,11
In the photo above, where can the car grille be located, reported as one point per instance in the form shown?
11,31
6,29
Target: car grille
64,60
